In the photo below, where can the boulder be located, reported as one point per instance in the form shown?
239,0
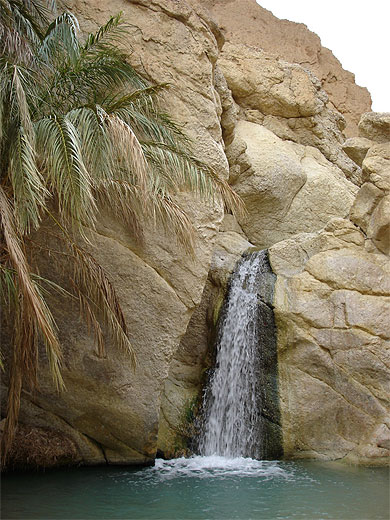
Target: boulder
261,82
287,188
375,126
379,225
376,166
371,209
364,204
356,148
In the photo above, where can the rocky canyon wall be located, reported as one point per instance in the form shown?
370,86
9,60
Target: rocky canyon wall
262,119
294,43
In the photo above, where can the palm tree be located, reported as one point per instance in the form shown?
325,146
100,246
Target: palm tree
78,128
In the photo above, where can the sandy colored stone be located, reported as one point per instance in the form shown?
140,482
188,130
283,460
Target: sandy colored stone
379,226
259,81
375,126
287,188
351,269
229,223
356,148
246,22
364,204
332,315
229,110
376,166
288,100
229,247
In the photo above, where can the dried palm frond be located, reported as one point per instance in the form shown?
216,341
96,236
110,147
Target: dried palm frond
91,320
33,305
29,190
96,295
175,170
89,275
32,319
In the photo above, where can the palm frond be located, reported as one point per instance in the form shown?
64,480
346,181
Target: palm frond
89,285
29,191
95,289
32,318
128,151
64,28
110,33
172,216
19,101
130,203
176,169
60,39
89,314
158,209
34,306
19,29
149,124
36,11
8,286
58,142
143,99
95,141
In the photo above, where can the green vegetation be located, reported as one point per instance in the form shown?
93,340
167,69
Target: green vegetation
79,129
187,430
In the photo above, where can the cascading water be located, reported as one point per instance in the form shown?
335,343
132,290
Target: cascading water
235,400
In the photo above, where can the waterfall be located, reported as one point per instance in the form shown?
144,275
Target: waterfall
234,402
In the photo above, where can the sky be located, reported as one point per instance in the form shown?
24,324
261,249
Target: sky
357,32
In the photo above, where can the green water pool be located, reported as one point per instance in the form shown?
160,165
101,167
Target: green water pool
201,488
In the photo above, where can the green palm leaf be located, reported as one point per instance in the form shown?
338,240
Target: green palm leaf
27,183
59,143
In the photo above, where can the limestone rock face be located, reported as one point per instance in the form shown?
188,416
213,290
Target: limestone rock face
288,100
288,188
294,43
371,209
261,82
332,306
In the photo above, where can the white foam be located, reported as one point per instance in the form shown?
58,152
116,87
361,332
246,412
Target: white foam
217,466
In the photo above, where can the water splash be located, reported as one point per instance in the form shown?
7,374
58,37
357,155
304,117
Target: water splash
233,425
216,466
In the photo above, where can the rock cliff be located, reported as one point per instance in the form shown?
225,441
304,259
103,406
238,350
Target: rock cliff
294,43
319,203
